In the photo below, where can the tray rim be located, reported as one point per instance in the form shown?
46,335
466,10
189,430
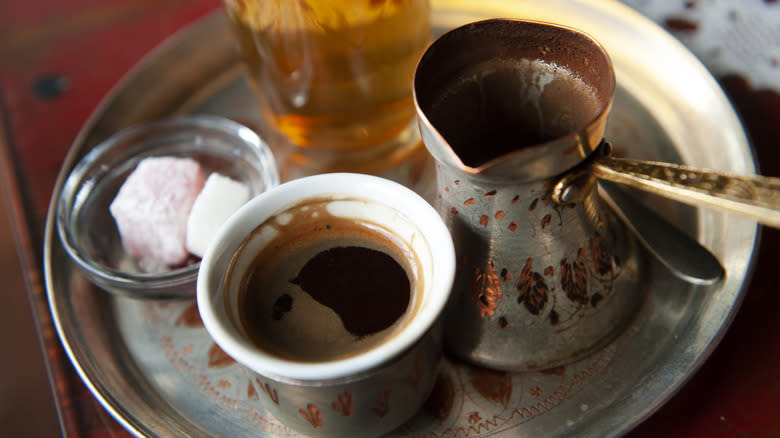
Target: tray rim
79,147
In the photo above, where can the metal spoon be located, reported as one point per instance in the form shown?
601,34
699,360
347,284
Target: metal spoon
685,257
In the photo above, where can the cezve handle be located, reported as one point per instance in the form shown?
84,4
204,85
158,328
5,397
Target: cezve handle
755,196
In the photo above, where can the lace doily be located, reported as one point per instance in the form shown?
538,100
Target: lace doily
728,36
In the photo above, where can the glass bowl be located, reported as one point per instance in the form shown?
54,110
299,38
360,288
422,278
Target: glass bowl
88,231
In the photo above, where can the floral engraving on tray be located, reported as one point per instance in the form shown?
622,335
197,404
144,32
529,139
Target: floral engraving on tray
218,358
547,394
189,317
190,351
251,392
439,403
215,390
495,386
453,409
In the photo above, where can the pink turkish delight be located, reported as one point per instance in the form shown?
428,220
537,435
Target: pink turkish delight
152,207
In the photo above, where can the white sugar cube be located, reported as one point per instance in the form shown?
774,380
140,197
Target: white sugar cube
220,198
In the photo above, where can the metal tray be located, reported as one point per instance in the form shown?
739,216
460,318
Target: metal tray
155,369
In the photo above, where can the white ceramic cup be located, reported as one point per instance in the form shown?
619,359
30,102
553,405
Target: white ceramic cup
367,394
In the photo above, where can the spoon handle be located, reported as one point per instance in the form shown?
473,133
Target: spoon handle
754,196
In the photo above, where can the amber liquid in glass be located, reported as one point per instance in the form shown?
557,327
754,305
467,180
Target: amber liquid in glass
333,75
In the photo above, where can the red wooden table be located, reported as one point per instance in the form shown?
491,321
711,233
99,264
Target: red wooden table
58,59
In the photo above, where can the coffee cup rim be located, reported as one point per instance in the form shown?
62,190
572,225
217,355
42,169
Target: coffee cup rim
415,210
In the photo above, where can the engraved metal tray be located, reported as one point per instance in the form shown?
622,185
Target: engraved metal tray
154,368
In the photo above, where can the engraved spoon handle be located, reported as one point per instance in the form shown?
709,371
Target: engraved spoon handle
754,196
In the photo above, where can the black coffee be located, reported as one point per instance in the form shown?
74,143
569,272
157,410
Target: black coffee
347,278
326,287
500,106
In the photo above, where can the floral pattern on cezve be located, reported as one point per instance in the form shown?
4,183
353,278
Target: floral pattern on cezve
574,279
487,289
532,288
602,261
